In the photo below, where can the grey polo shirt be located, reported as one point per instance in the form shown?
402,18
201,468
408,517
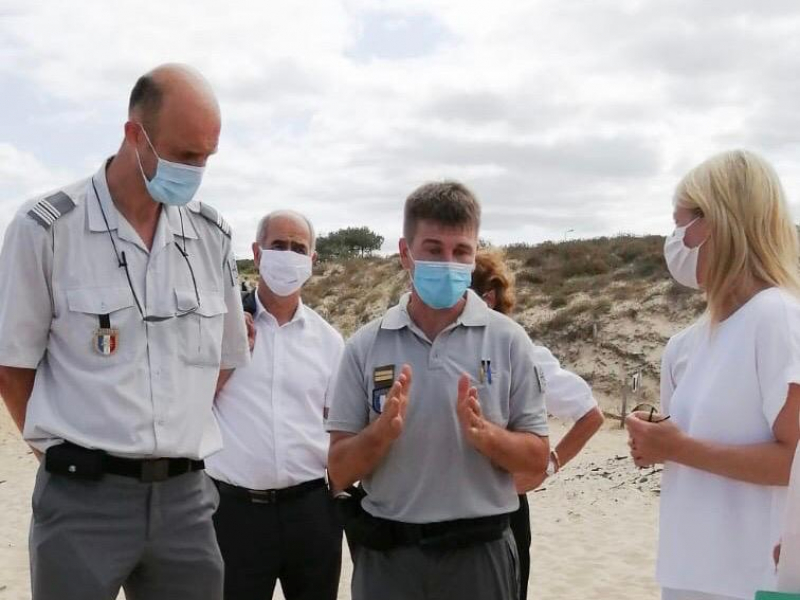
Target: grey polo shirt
431,473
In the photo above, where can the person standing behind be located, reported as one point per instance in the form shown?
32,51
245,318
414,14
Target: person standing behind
436,405
275,519
567,396
729,382
119,305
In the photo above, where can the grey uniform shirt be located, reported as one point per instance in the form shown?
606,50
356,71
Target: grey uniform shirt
431,473
146,390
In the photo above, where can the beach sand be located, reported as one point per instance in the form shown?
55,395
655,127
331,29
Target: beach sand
594,525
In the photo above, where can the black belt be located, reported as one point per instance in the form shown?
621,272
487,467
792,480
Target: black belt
150,470
77,462
269,496
423,534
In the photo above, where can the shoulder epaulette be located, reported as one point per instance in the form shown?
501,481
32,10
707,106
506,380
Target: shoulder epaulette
213,215
48,210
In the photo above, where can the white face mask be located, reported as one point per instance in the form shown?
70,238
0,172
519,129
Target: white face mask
284,271
682,260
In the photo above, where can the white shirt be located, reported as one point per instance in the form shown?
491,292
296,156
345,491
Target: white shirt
567,395
727,386
271,412
150,393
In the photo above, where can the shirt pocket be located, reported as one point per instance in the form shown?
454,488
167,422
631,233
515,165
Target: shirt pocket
494,404
100,320
201,330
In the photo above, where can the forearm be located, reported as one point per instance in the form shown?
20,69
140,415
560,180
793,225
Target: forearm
352,457
579,434
769,463
516,451
16,386
222,379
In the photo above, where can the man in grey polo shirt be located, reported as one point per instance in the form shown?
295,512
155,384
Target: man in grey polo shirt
435,406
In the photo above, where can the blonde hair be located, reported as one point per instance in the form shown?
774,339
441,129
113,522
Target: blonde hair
754,239
492,274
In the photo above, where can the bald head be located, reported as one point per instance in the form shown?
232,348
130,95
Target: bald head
285,222
174,115
169,84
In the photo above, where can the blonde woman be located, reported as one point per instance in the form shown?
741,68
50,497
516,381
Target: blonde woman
729,382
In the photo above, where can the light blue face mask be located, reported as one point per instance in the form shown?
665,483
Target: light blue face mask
441,284
173,184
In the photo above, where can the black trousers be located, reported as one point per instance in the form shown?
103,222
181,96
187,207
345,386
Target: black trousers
296,541
521,528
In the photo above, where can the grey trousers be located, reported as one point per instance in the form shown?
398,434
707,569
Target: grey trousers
487,571
88,539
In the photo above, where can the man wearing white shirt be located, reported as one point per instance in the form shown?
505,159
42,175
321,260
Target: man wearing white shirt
276,520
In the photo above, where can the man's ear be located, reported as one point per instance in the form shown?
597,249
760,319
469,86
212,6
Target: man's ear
314,257
132,131
256,254
405,260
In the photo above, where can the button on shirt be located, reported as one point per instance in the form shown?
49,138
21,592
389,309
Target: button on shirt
271,412
431,473
150,395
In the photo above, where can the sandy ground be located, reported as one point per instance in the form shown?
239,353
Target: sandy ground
594,525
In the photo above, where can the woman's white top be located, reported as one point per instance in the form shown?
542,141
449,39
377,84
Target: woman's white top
726,385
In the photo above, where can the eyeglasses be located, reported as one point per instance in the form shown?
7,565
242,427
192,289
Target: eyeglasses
122,262
645,407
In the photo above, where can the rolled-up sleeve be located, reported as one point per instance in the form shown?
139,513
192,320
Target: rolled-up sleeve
567,395
26,306
527,410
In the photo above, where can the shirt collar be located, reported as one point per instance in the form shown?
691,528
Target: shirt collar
298,317
99,191
97,223
474,314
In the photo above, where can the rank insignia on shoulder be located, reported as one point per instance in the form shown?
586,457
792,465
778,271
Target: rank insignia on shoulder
212,214
106,340
48,210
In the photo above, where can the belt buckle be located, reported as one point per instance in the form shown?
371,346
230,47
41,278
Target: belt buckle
263,497
154,471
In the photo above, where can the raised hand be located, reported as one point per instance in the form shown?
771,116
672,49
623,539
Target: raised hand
476,429
392,419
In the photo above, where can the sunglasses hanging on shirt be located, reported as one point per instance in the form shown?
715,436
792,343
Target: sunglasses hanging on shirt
122,262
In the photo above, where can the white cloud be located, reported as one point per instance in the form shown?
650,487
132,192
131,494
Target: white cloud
562,115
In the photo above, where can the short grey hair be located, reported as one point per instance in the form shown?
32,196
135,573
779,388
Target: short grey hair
263,225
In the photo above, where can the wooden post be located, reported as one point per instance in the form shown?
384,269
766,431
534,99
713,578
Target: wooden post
624,411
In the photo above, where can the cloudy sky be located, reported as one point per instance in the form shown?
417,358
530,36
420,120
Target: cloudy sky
562,115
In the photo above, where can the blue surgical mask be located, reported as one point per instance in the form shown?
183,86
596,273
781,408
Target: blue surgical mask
441,284
173,184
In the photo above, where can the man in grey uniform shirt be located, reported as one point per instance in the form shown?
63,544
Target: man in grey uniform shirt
436,404
119,306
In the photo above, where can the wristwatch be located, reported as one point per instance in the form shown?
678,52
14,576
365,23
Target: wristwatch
553,464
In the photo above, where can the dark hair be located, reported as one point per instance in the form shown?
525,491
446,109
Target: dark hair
146,98
491,274
448,203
